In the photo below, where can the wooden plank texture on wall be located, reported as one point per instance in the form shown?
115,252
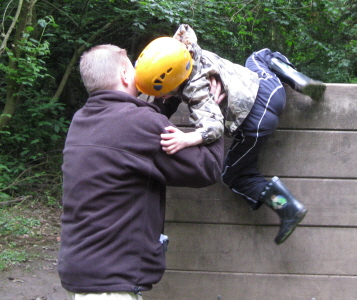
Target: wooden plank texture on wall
336,111
329,202
251,249
323,154
251,286
219,249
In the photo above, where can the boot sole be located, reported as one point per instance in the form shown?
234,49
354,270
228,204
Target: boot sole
298,218
315,90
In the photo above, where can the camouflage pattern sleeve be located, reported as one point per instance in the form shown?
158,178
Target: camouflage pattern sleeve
208,120
239,84
186,35
205,114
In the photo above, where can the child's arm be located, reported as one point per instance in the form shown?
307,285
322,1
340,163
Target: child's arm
175,139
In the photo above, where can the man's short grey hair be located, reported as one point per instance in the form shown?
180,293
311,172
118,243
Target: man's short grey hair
100,67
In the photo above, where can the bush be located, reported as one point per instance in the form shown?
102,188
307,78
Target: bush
30,153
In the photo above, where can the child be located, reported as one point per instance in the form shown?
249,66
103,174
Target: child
248,110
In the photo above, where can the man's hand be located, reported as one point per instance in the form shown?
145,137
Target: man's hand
216,90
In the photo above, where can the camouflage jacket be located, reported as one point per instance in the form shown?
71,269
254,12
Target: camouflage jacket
239,83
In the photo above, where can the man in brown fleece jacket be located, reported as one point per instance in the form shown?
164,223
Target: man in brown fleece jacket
115,175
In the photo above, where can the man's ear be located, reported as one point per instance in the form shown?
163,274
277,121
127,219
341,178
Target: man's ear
124,77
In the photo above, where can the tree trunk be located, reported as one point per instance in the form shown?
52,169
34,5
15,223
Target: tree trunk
8,33
13,87
76,55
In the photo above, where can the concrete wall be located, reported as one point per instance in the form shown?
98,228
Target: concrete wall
219,249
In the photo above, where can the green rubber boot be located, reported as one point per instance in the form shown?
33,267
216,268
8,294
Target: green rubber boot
289,209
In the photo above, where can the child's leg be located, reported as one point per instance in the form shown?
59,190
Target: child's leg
240,171
286,71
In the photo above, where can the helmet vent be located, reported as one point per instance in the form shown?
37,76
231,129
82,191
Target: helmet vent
157,87
169,70
162,75
188,66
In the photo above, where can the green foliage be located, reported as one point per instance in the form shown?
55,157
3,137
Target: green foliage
12,225
26,227
38,129
10,257
310,33
30,67
39,125
17,225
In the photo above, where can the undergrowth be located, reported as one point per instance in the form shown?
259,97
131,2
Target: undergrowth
25,229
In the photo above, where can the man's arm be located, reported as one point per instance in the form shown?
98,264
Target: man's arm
196,166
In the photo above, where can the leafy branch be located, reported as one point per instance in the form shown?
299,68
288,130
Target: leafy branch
17,180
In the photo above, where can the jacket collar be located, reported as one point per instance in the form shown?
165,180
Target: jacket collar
98,97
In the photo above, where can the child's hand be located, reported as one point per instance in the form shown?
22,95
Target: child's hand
173,141
176,140
216,89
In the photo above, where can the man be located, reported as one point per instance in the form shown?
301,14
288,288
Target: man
114,179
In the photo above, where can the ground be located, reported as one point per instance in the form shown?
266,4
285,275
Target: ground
35,278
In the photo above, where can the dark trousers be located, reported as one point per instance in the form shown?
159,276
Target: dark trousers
240,172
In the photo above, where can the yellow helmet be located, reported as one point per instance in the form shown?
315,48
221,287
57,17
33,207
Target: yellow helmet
162,66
